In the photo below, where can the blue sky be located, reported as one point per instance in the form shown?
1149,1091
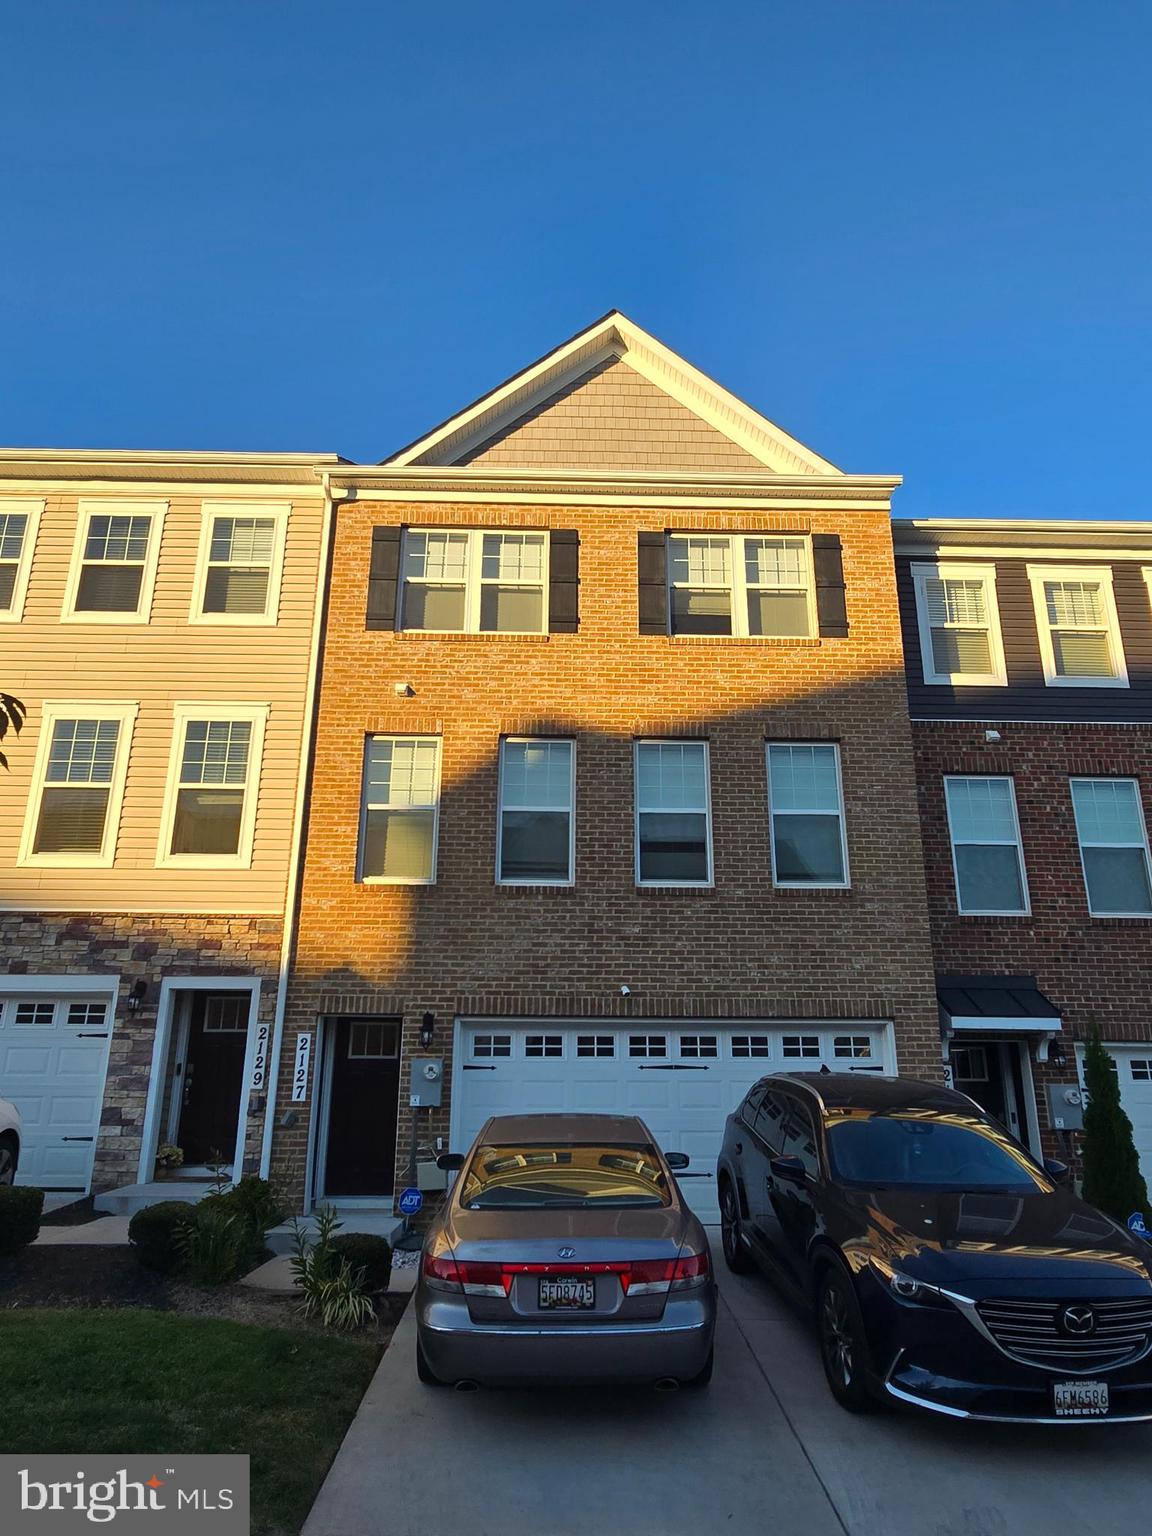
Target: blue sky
915,233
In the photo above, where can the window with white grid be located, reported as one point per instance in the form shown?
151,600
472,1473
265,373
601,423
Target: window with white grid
474,581
73,812
1141,1069
987,854
114,563
747,1046
35,1015
800,1046
596,1045
488,1046
647,1045
809,847
696,1047
241,556
1078,627
673,821
959,623
19,517
1113,847
854,1047
740,584
227,1013
543,1045
373,1040
87,1015
213,778
401,809
536,814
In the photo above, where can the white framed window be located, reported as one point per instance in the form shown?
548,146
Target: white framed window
227,1013
373,1040
673,813
695,1047
486,1046
474,581
401,810
745,1046
209,815
596,1045
804,1047
240,563
806,812
1141,1070
1078,627
19,520
1113,847
114,561
987,850
536,842
741,584
73,812
854,1047
959,623
543,1045
648,1045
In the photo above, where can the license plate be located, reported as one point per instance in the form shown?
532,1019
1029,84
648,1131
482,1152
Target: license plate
566,1291
1080,1399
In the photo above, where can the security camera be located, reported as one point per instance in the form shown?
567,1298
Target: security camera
625,991
403,690
992,737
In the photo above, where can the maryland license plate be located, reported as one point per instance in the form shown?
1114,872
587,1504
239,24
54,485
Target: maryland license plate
566,1292
1080,1399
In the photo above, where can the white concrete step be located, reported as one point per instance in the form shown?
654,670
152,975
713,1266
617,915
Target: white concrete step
130,1198
377,1220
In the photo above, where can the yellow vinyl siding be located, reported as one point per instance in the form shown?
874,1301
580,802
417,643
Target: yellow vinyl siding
156,665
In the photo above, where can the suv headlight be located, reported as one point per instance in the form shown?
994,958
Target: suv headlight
905,1287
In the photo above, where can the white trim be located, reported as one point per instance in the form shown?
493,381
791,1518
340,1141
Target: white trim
738,588
179,1069
278,512
51,711
434,807
316,1168
672,741
474,581
1018,844
570,878
32,507
1013,1025
255,715
1110,778
941,570
88,508
1037,576
808,885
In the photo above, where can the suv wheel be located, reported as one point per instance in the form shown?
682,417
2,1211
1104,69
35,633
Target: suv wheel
843,1342
735,1253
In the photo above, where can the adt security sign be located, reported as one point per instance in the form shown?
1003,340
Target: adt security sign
410,1201
1137,1224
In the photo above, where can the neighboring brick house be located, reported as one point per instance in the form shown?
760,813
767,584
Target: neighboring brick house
613,800
159,614
1029,648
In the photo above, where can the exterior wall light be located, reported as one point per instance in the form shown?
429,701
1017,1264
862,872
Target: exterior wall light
427,1030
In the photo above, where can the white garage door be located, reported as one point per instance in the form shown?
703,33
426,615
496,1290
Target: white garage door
683,1080
1134,1069
53,1052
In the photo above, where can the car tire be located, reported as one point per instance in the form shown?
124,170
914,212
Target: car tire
703,1376
735,1254
424,1371
7,1161
843,1342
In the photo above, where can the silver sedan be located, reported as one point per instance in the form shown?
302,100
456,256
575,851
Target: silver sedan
565,1253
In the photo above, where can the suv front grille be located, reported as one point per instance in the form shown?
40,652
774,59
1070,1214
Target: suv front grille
1037,1333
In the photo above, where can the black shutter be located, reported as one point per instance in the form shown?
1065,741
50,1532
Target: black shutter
382,577
652,574
828,563
563,581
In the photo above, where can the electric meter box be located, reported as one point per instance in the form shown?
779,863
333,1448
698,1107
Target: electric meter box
1065,1107
427,1087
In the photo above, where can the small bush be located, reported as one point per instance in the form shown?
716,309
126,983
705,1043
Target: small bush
216,1245
20,1208
363,1250
333,1289
154,1231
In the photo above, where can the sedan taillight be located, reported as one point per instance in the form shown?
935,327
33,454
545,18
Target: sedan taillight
637,1277
651,1276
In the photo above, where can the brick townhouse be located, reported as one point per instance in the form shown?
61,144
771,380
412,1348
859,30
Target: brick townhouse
613,800
1029,649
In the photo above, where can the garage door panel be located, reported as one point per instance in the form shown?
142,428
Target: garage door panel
25,1061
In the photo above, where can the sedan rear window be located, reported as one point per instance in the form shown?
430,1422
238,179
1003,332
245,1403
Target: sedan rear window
928,1150
546,1176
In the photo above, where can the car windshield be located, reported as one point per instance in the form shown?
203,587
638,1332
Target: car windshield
547,1176
927,1149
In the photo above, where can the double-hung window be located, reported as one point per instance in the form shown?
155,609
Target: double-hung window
474,581
401,802
210,809
673,818
740,584
1113,847
241,555
1078,627
987,856
536,842
19,517
807,815
114,562
73,813
959,624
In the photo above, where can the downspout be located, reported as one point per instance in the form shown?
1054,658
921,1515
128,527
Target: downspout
295,859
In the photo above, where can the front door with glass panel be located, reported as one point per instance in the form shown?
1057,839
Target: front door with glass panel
362,1073
212,1076
990,1072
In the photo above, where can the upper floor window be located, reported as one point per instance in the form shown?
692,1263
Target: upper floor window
740,584
959,624
536,812
1113,847
475,581
241,556
19,517
1078,627
673,818
987,856
114,562
401,804
73,812
807,815
210,807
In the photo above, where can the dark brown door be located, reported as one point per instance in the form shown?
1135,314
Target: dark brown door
213,1076
361,1149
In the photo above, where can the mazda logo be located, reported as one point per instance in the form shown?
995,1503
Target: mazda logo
1078,1320
566,1253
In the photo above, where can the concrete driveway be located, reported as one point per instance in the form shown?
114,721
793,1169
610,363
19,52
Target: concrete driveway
764,1448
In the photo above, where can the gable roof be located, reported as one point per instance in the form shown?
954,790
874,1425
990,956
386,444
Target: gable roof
612,338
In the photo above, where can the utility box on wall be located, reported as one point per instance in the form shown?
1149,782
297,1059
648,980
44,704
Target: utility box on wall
1065,1107
427,1086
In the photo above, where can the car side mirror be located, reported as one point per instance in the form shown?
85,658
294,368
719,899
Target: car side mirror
677,1160
1059,1172
789,1169
450,1161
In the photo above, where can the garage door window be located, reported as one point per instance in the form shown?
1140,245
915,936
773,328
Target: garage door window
808,847
696,1046
544,1045
647,1045
35,1015
1113,847
596,1045
491,1045
801,1045
1142,1071
673,835
536,813
745,1046
856,1047
401,810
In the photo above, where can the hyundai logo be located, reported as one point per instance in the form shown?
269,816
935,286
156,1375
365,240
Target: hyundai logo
566,1253
1078,1320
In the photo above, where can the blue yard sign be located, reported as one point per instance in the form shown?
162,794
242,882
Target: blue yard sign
1137,1224
410,1201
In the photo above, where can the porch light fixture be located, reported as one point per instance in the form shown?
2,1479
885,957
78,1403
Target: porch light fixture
427,1030
139,992
1057,1057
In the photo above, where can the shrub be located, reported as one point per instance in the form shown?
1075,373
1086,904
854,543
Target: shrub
333,1290
369,1253
20,1208
216,1245
153,1233
1113,1182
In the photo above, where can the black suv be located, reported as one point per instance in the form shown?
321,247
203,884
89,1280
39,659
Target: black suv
947,1269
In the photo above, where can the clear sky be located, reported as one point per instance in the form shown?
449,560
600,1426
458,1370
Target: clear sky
916,233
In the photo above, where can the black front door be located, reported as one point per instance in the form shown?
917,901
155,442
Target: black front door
365,1079
988,1071
213,1076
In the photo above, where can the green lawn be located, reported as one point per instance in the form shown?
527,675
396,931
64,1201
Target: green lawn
134,1381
